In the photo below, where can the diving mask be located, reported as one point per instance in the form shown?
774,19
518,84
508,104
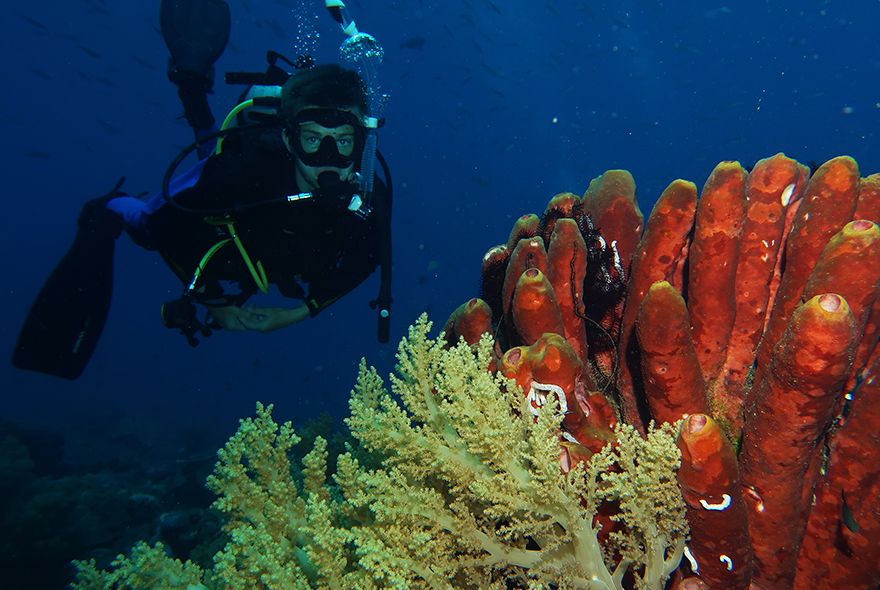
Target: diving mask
319,138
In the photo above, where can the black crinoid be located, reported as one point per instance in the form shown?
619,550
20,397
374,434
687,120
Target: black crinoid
605,281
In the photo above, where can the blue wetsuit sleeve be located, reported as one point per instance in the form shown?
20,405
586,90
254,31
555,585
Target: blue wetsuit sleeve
135,212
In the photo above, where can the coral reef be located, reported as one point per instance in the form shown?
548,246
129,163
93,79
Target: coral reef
53,509
752,312
454,482
744,321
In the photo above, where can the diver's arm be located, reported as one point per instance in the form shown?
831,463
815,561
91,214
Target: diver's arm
258,319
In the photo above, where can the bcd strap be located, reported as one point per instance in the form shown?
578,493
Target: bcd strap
257,271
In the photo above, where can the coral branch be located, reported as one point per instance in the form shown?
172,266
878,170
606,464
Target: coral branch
528,253
534,308
673,382
828,204
709,479
567,269
712,260
657,258
772,186
840,550
611,202
469,321
792,406
725,327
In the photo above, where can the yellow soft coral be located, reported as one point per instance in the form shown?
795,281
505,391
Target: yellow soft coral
145,569
468,492
471,490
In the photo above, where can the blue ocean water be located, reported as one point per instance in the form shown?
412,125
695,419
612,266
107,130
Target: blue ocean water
494,107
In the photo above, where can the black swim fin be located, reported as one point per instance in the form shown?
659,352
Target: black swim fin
196,33
67,318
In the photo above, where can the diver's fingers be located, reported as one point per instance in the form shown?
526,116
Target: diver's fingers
229,319
253,320
255,316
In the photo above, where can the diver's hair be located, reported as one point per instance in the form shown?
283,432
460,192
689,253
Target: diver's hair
327,85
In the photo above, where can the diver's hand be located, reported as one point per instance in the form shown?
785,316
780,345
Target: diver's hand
258,319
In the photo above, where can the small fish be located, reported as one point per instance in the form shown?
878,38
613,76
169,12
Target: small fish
846,515
89,51
104,81
96,79
33,22
413,43
492,71
143,62
36,155
98,7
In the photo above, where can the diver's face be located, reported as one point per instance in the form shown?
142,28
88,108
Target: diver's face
311,135
316,139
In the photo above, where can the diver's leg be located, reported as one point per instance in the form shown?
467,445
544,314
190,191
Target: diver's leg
62,329
136,212
196,33
193,93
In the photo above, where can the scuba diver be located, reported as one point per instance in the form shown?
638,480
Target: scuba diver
277,197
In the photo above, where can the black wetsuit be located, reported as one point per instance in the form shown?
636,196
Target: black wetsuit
311,249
